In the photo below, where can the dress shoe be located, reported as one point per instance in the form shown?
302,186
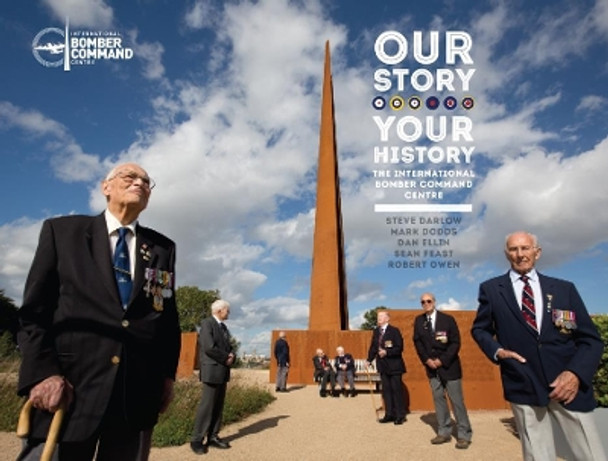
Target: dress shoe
440,439
198,448
399,421
217,442
353,393
386,419
323,394
335,394
463,444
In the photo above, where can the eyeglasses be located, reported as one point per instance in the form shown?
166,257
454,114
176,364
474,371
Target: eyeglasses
426,301
130,177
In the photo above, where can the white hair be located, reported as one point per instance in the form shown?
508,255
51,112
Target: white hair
532,236
218,305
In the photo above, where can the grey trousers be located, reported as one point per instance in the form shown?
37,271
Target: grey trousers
535,427
350,377
281,381
208,420
453,389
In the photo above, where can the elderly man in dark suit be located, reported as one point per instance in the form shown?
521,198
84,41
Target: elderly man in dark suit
386,348
538,330
344,363
437,342
216,358
93,337
281,354
324,372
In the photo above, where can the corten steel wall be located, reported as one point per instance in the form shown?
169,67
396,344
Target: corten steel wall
481,378
188,356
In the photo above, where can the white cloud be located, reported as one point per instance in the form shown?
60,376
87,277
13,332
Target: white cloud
32,122
451,305
234,156
18,245
599,15
592,103
82,13
68,160
200,15
548,194
150,54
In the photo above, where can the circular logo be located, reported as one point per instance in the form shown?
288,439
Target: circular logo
379,103
432,103
414,102
397,103
450,103
468,103
48,47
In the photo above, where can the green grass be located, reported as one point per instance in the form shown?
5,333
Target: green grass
10,404
174,426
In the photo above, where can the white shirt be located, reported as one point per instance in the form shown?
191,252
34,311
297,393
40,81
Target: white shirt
113,224
518,287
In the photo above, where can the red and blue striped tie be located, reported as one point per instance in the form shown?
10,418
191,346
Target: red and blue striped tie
527,303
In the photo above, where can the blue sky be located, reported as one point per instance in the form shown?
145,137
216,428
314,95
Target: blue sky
221,104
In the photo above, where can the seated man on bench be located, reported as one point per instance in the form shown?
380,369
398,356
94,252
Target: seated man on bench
323,373
345,366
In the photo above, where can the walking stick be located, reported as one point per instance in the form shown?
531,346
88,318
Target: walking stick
23,429
371,392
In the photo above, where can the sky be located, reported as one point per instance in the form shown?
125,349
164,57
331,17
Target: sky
220,103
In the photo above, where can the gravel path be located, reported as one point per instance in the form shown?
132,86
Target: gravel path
300,425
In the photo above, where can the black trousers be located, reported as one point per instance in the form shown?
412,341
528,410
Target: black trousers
392,393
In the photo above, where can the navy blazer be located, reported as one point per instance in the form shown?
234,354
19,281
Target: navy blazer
443,344
73,324
392,342
499,323
281,352
346,359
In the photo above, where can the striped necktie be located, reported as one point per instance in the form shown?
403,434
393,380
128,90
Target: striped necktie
527,303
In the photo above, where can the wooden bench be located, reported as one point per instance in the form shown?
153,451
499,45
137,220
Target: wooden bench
363,375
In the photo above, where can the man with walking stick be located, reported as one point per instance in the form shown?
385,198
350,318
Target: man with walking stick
386,347
99,332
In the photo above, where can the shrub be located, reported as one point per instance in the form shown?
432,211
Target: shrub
175,425
10,403
8,348
600,381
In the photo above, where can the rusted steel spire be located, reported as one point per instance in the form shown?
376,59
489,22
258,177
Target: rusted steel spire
328,302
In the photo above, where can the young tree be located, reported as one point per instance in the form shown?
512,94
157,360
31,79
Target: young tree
194,304
371,318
